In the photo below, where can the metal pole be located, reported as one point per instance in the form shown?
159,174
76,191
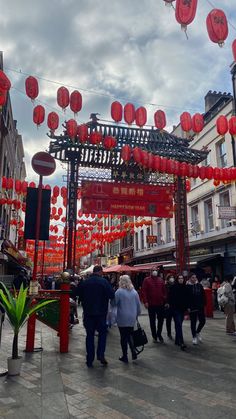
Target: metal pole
43,256
37,228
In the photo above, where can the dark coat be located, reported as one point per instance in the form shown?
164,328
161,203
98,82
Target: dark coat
177,297
94,294
196,296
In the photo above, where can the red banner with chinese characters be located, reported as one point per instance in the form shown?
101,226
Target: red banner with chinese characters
127,207
127,191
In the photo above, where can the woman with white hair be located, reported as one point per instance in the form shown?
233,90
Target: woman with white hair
128,309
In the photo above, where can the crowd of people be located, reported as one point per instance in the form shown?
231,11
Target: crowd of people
167,300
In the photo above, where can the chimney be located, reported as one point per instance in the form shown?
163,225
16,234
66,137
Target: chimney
212,97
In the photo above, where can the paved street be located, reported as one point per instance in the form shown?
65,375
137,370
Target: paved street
164,383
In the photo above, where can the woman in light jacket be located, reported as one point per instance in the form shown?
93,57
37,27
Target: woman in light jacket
128,309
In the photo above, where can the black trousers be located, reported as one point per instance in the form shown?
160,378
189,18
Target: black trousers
156,313
197,316
125,341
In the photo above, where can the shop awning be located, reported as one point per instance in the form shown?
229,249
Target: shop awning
119,268
150,266
194,260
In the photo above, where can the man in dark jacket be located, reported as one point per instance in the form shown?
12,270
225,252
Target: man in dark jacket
94,294
196,302
154,299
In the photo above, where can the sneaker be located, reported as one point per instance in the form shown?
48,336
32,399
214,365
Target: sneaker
161,340
123,359
103,361
183,347
199,338
154,340
134,356
195,341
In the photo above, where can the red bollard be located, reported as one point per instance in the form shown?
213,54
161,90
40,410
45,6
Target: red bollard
64,317
209,302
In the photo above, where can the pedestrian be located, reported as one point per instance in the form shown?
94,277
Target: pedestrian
94,294
170,280
154,298
178,305
128,309
196,303
229,305
215,285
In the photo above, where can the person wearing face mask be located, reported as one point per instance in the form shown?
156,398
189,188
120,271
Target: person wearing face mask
196,303
178,304
170,280
154,299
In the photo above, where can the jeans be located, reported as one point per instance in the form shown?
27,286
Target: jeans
178,319
197,315
125,333
156,312
91,324
169,317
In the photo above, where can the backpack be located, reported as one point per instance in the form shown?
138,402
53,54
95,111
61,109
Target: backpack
222,297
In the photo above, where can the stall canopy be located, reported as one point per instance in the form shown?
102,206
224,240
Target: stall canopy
150,266
88,270
119,268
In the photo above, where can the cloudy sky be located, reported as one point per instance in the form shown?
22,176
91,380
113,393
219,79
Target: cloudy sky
128,50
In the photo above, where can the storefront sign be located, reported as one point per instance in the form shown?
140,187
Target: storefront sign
9,249
227,213
151,239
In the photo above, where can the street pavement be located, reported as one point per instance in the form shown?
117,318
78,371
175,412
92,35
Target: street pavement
164,382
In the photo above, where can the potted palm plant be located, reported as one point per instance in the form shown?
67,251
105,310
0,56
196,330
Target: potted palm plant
18,309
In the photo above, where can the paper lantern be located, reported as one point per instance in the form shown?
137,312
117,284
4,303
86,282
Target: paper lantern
63,97
197,122
217,26
186,121
82,133
126,153
38,115
95,137
55,191
75,101
109,142
53,121
116,111
222,125
185,12
3,97
188,185
5,83
232,126
137,155
234,49
71,128
129,113
31,87
160,119
141,116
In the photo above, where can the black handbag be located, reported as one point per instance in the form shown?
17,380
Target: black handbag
139,338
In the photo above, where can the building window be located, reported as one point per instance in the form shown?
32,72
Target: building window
224,202
141,239
195,226
209,215
207,161
168,231
136,242
221,154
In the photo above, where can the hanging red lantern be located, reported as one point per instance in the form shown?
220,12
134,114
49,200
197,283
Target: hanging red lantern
82,133
63,192
197,122
160,119
4,182
232,126
31,87
60,211
10,183
116,111
109,142
71,128
126,153
144,158
24,186
188,185
163,164
217,26
141,116
129,113
3,201
3,97
209,172
216,173
150,161
63,97
38,114
137,155
202,174
32,185
95,137
185,12
186,121
75,101
5,83
234,49
18,186
55,191
216,182
53,121
222,125
183,169
156,163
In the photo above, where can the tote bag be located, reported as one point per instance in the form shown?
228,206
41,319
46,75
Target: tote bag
139,338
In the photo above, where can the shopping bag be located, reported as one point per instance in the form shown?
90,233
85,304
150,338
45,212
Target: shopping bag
139,338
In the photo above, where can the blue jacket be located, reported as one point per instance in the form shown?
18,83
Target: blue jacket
94,294
128,307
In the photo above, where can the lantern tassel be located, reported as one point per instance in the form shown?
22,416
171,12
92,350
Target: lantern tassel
184,28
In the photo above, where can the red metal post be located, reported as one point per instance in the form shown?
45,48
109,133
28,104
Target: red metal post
64,317
32,320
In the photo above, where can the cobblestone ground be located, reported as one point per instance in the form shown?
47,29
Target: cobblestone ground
163,383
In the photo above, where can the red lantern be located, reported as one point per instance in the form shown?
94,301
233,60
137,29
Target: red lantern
150,161
160,119
183,169
217,26
95,137
209,172
185,12
137,155
116,111
71,128
197,122
32,185
63,97
82,133
9,183
55,191
163,164
109,142
222,125
3,97
75,101
202,172
144,158
141,116
186,121
216,182
60,211
216,173
4,182
234,49
31,87
5,83
38,114
126,153
188,185
53,121
18,187
129,113
232,126
63,192
24,186
156,163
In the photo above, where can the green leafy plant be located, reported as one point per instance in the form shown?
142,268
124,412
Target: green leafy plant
18,308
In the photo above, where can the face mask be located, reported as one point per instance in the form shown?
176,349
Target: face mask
154,273
171,280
